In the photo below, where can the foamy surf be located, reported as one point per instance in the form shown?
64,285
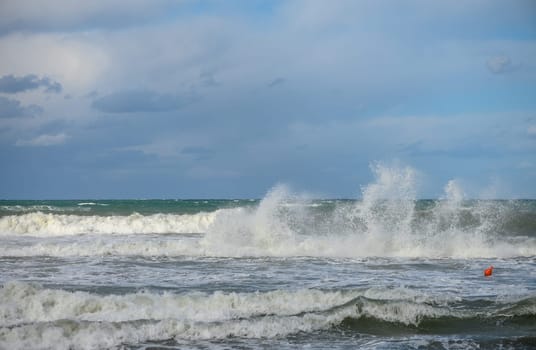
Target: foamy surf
387,222
349,233
39,224
35,317
386,271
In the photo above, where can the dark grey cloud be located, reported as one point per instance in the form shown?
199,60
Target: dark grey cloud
11,84
139,101
10,108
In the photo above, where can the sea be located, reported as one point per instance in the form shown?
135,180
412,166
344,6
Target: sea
384,270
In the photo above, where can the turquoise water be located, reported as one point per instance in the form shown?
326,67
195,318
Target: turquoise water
119,207
284,271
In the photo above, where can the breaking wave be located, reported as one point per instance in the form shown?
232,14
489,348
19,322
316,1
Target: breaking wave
42,225
388,222
35,317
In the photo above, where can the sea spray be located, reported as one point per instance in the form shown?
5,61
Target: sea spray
386,271
269,229
389,221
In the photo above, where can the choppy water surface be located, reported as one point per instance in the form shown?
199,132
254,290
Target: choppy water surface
384,272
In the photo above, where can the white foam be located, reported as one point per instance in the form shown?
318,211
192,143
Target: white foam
27,303
33,317
41,207
385,223
93,204
43,225
36,317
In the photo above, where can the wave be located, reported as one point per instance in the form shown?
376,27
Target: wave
388,222
40,208
43,225
35,317
93,204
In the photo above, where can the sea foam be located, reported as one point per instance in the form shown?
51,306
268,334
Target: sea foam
39,318
388,221
42,225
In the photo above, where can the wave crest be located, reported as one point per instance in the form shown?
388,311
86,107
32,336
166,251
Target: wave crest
30,314
42,225
388,222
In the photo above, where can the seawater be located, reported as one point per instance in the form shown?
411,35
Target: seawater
387,271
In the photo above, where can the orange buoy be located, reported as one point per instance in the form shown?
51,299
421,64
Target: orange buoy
488,271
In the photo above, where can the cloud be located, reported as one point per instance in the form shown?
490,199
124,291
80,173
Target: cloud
470,150
44,140
277,81
138,101
11,84
92,95
526,164
30,15
531,130
75,59
10,108
363,77
501,65
207,79
198,153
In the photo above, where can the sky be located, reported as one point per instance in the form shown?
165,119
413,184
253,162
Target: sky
226,99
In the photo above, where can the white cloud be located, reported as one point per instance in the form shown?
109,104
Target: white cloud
501,64
162,148
44,140
72,60
531,130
